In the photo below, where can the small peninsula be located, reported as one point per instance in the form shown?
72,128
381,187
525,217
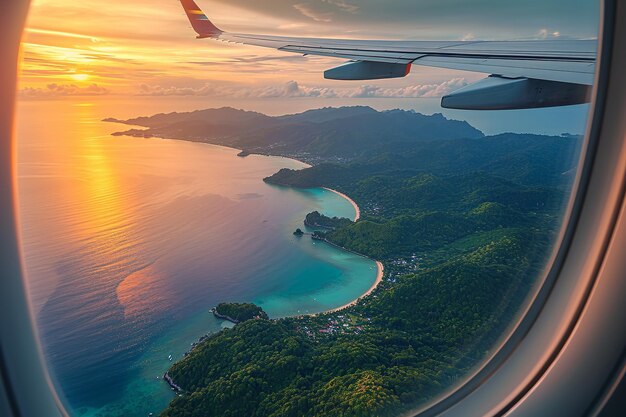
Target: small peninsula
239,312
318,220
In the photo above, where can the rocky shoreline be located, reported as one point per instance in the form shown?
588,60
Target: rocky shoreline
323,239
171,383
223,316
316,225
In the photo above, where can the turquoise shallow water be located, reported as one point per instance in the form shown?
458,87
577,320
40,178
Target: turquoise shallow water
129,242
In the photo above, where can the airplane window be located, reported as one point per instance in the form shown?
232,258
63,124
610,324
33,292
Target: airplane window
275,225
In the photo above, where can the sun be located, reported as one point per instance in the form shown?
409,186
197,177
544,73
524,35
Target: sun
80,77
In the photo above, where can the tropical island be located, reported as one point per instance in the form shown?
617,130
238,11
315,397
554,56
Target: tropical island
462,223
239,312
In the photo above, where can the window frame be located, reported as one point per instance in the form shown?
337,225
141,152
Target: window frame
586,270
601,159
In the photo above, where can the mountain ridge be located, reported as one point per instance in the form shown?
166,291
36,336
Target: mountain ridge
322,134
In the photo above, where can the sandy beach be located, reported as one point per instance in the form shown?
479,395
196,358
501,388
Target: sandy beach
356,207
379,265
379,278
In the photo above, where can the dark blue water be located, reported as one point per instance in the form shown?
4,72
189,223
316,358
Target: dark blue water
129,242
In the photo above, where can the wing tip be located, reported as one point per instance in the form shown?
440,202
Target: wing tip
199,20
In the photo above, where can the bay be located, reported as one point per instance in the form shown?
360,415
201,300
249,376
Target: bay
128,242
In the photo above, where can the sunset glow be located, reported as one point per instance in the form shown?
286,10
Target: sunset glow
124,46
80,77
148,48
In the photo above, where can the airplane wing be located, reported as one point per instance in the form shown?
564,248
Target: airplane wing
523,74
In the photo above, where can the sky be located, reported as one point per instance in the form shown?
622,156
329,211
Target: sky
146,47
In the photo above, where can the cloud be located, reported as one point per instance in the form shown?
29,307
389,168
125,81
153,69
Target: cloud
289,89
251,59
63,90
324,10
468,37
545,34
306,9
429,19
293,89
205,90
412,91
60,40
343,5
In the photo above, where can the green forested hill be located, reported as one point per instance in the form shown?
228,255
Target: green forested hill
462,224
239,312
329,134
417,335
533,160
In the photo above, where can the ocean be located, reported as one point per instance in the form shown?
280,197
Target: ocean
129,242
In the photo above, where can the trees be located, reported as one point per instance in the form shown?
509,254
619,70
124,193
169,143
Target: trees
421,332
238,312
463,227
315,219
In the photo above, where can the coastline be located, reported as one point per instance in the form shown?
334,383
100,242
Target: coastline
356,207
379,264
357,216
379,279
223,316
